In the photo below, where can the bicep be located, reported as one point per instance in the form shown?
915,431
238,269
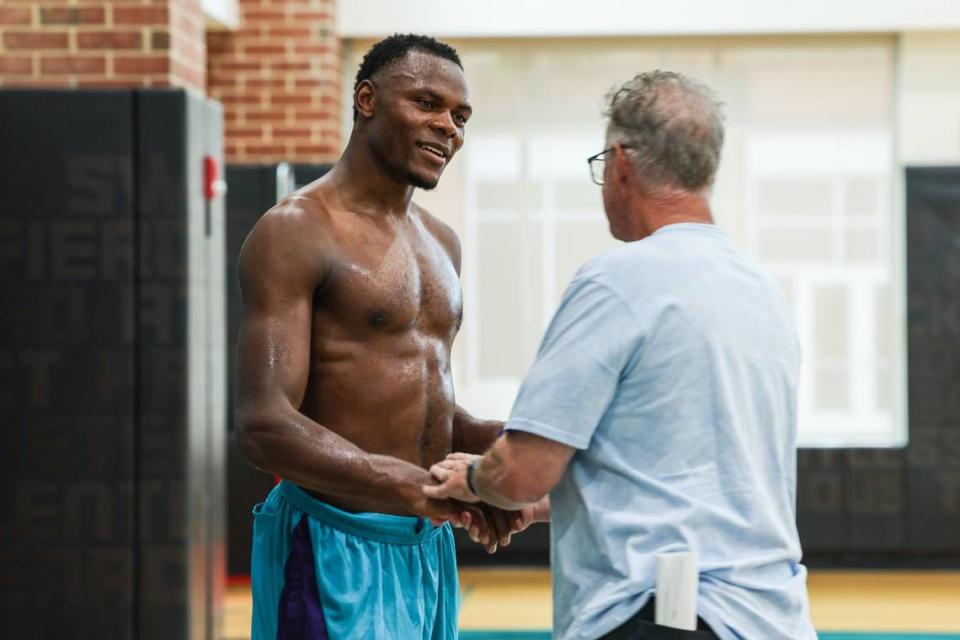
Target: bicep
274,338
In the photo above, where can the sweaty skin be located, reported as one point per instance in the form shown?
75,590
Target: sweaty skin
352,301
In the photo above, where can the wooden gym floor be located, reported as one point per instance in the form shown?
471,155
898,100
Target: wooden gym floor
840,601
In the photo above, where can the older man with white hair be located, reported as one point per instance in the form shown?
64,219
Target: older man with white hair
660,414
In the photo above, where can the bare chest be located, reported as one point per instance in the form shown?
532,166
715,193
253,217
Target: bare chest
396,284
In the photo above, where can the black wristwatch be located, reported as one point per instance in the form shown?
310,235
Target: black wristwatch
471,471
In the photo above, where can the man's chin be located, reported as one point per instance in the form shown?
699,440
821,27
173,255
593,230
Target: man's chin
423,182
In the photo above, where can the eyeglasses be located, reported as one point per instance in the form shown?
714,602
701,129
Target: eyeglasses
596,164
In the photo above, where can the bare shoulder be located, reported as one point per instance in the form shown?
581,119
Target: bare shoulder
288,242
444,234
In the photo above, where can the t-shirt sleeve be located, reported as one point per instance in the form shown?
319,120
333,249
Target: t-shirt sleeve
590,340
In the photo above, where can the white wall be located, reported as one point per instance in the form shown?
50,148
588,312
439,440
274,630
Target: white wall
928,90
521,18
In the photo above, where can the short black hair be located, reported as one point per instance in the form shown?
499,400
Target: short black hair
393,48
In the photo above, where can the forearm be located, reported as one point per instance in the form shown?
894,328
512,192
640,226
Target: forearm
286,443
472,435
496,481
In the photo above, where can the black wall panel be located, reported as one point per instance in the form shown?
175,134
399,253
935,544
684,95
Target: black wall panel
163,367
108,385
67,411
933,307
822,499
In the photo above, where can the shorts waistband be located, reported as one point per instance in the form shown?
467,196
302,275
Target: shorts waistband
383,527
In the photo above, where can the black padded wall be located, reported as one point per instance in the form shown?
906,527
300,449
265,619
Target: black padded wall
113,366
933,313
67,365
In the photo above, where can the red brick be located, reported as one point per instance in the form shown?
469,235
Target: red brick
227,76
262,16
266,149
36,40
265,49
266,116
316,149
105,83
245,132
241,66
311,115
276,83
290,66
283,132
310,16
62,81
310,48
249,30
289,98
109,40
289,32
239,99
15,15
141,64
72,15
222,82
330,130
73,64
140,15
16,65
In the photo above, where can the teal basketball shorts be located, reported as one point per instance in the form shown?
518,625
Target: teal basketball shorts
321,573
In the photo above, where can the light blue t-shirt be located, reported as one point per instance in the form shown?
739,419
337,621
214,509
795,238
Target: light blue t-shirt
672,365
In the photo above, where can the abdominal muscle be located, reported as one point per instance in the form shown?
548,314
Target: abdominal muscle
394,402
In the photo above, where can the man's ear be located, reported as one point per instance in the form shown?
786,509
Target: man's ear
621,163
364,98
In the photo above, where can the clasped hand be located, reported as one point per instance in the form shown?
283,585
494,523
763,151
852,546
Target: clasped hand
486,524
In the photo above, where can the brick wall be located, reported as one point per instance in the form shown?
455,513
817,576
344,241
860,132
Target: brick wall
278,78
84,43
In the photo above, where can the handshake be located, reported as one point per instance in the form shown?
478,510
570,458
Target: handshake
486,524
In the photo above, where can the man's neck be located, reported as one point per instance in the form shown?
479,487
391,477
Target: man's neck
675,207
365,186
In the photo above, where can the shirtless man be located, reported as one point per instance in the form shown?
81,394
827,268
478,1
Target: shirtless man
351,304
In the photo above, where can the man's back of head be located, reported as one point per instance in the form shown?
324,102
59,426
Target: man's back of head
671,125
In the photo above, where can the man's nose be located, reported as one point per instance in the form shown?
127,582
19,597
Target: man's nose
444,124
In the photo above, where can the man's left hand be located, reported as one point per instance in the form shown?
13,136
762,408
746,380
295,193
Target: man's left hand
451,474
493,526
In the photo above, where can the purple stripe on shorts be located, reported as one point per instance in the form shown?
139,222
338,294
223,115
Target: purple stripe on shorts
300,616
